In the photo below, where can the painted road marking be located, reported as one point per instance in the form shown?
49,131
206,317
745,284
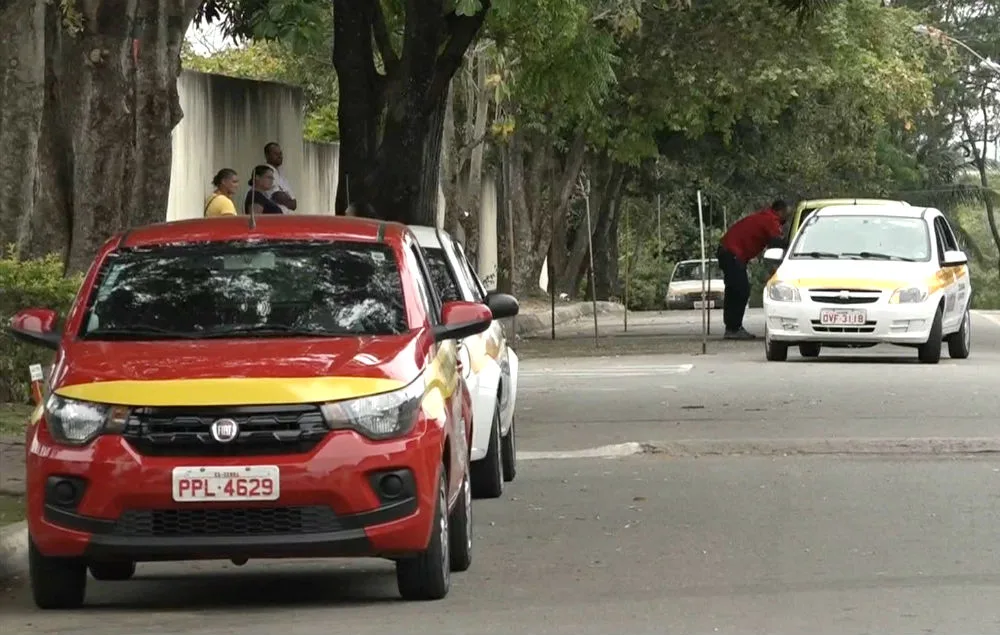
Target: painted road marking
603,452
990,317
609,371
875,446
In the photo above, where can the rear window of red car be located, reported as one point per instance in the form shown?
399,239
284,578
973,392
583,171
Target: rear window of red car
247,289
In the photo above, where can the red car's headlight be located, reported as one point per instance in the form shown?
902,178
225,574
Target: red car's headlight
75,422
384,416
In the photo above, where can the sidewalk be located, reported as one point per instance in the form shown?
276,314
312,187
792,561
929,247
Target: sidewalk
11,464
535,316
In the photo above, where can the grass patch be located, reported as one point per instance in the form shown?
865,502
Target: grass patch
14,418
11,509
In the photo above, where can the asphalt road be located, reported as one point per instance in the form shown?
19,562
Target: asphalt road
780,545
734,394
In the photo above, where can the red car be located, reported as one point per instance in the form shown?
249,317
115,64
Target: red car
231,390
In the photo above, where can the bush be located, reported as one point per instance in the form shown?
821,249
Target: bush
37,283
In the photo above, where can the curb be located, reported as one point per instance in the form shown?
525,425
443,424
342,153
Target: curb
532,323
13,550
931,446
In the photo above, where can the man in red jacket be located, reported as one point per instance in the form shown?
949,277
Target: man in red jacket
745,240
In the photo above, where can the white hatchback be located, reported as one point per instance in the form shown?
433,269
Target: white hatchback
860,276
488,363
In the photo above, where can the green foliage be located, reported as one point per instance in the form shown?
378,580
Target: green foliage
24,284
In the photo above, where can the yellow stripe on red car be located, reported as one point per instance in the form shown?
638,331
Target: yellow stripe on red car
229,391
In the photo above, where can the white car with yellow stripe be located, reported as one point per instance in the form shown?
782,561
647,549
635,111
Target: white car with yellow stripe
860,276
489,364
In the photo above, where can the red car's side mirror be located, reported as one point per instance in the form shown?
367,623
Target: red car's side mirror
36,326
462,319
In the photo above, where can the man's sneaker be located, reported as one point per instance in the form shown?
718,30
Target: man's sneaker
741,334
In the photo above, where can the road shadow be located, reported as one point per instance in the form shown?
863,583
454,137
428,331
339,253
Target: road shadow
265,587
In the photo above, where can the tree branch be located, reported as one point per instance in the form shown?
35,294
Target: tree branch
381,33
462,31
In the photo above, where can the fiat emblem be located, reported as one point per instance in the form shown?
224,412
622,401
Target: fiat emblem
225,430
844,295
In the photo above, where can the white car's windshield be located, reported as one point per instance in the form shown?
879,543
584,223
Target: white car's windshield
864,237
691,270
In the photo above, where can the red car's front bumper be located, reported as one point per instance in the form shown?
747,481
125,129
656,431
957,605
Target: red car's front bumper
330,503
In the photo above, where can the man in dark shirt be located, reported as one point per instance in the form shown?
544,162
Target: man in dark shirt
745,240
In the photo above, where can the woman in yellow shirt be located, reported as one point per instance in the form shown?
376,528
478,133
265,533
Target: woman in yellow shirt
220,202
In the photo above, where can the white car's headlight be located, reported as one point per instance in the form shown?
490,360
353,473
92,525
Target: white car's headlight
781,292
908,295
384,416
79,422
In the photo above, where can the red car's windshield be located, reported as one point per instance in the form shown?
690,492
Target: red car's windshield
247,289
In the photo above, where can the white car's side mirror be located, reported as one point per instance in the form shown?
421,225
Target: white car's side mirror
774,254
954,258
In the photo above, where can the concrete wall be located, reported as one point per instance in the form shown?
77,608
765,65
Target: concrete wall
226,123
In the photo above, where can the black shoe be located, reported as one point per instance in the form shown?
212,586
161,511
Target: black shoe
741,334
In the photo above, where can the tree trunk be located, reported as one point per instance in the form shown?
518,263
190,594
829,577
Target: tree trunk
101,157
611,176
162,28
398,176
22,93
606,247
359,85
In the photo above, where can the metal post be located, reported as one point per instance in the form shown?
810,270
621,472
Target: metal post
659,244
707,267
590,251
628,249
510,232
552,272
704,305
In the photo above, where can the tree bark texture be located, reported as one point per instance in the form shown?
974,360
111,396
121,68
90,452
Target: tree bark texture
103,154
397,173
608,179
543,183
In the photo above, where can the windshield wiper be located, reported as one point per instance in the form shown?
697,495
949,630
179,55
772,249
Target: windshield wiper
874,255
142,330
264,330
817,254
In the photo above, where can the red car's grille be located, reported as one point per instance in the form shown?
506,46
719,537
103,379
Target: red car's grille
265,521
290,429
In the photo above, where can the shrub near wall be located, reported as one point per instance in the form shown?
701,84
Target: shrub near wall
27,284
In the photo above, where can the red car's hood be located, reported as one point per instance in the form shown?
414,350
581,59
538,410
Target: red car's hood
251,371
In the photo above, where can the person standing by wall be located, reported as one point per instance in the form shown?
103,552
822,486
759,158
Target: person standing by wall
746,239
281,191
256,198
220,202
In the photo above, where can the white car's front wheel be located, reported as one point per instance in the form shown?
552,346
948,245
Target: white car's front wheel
774,351
509,452
960,342
487,472
930,351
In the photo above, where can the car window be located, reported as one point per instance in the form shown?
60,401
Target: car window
870,236
689,271
245,289
947,236
478,292
441,274
422,280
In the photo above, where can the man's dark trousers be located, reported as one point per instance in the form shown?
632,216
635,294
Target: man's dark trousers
734,274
